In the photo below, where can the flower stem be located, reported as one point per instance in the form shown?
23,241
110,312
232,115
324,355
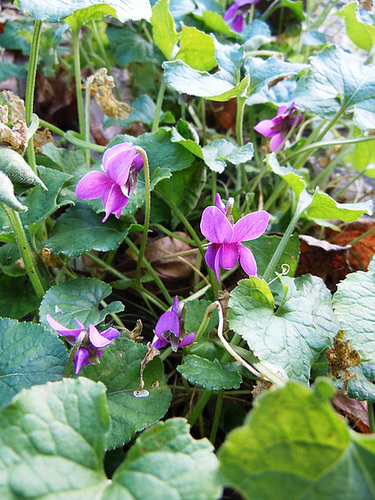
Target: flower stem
152,271
37,280
199,407
146,224
281,247
159,103
77,73
119,275
87,122
216,420
370,411
30,88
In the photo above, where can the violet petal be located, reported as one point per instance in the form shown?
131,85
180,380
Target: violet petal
167,321
175,305
81,358
211,254
117,166
276,141
96,339
219,204
265,128
215,226
251,226
237,23
231,12
110,333
247,261
228,255
114,201
63,330
159,343
92,185
189,339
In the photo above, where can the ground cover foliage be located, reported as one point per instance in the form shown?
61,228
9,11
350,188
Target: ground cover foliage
187,281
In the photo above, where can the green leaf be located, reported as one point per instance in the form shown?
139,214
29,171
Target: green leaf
17,297
218,152
293,445
52,439
212,87
79,298
214,22
359,30
80,230
166,463
9,254
354,304
211,375
129,46
184,189
43,203
29,355
55,10
320,205
86,14
325,207
359,387
292,336
336,74
196,49
263,72
164,31
363,156
295,6
265,246
119,370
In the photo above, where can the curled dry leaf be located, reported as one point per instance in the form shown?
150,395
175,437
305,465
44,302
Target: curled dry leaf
360,253
13,128
101,85
171,258
354,410
340,358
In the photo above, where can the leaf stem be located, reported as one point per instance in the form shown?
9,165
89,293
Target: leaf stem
30,88
37,280
216,419
77,73
281,247
159,103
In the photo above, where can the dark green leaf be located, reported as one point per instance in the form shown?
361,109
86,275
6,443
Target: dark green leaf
52,439
211,375
294,446
166,463
79,298
119,370
29,355
80,230
17,297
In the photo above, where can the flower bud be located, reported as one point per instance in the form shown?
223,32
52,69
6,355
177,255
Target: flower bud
17,170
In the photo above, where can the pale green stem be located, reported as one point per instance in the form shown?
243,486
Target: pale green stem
324,174
370,411
119,275
321,144
356,240
216,419
203,114
37,280
275,194
159,103
241,174
173,235
343,189
30,88
268,273
146,223
199,407
269,10
83,144
152,271
78,79
87,122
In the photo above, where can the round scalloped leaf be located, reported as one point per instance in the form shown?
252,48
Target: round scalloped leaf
293,445
292,336
55,10
29,355
166,463
79,298
209,374
52,439
354,304
119,370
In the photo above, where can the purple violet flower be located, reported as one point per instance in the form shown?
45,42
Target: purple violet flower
170,329
225,237
91,346
238,11
121,164
278,127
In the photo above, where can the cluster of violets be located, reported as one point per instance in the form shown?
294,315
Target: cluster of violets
121,164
